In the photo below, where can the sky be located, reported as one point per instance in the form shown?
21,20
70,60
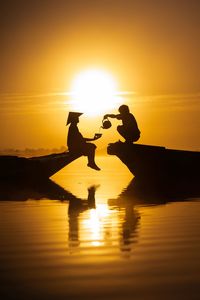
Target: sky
150,47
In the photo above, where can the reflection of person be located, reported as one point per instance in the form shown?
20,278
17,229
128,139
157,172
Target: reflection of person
129,226
77,143
131,219
129,128
76,207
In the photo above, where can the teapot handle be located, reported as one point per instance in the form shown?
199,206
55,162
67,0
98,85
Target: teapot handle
104,119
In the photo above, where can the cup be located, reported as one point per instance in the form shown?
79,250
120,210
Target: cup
98,135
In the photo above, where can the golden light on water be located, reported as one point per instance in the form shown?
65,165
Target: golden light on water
95,223
94,92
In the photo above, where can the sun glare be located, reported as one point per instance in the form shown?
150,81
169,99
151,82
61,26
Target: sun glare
94,92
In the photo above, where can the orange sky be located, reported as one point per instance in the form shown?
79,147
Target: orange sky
151,48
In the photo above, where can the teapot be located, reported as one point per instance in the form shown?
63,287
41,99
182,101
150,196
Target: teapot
106,124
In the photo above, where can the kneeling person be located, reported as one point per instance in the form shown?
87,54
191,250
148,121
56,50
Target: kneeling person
129,129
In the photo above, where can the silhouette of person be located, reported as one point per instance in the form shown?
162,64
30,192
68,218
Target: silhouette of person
75,208
77,143
129,128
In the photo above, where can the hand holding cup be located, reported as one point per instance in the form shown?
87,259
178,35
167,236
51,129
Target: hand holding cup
97,135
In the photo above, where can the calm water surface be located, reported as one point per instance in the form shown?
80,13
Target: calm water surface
82,236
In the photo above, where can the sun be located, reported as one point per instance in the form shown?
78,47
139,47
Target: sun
94,92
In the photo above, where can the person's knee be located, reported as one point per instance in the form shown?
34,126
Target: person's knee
91,147
122,131
136,137
120,128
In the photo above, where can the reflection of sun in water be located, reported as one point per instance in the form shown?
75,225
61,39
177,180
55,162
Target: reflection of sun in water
94,92
95,224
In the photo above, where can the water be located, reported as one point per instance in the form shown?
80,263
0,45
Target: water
89,241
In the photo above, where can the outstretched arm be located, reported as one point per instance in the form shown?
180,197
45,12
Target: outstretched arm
89,140
92,139
112,116
109,116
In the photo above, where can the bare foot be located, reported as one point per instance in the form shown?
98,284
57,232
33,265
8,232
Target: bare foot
94,166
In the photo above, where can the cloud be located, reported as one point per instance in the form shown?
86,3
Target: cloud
19,103
15,103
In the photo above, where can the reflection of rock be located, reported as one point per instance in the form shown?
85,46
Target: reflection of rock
47,189
139,193
13,190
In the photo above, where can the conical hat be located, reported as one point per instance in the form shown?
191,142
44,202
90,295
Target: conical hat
72,116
